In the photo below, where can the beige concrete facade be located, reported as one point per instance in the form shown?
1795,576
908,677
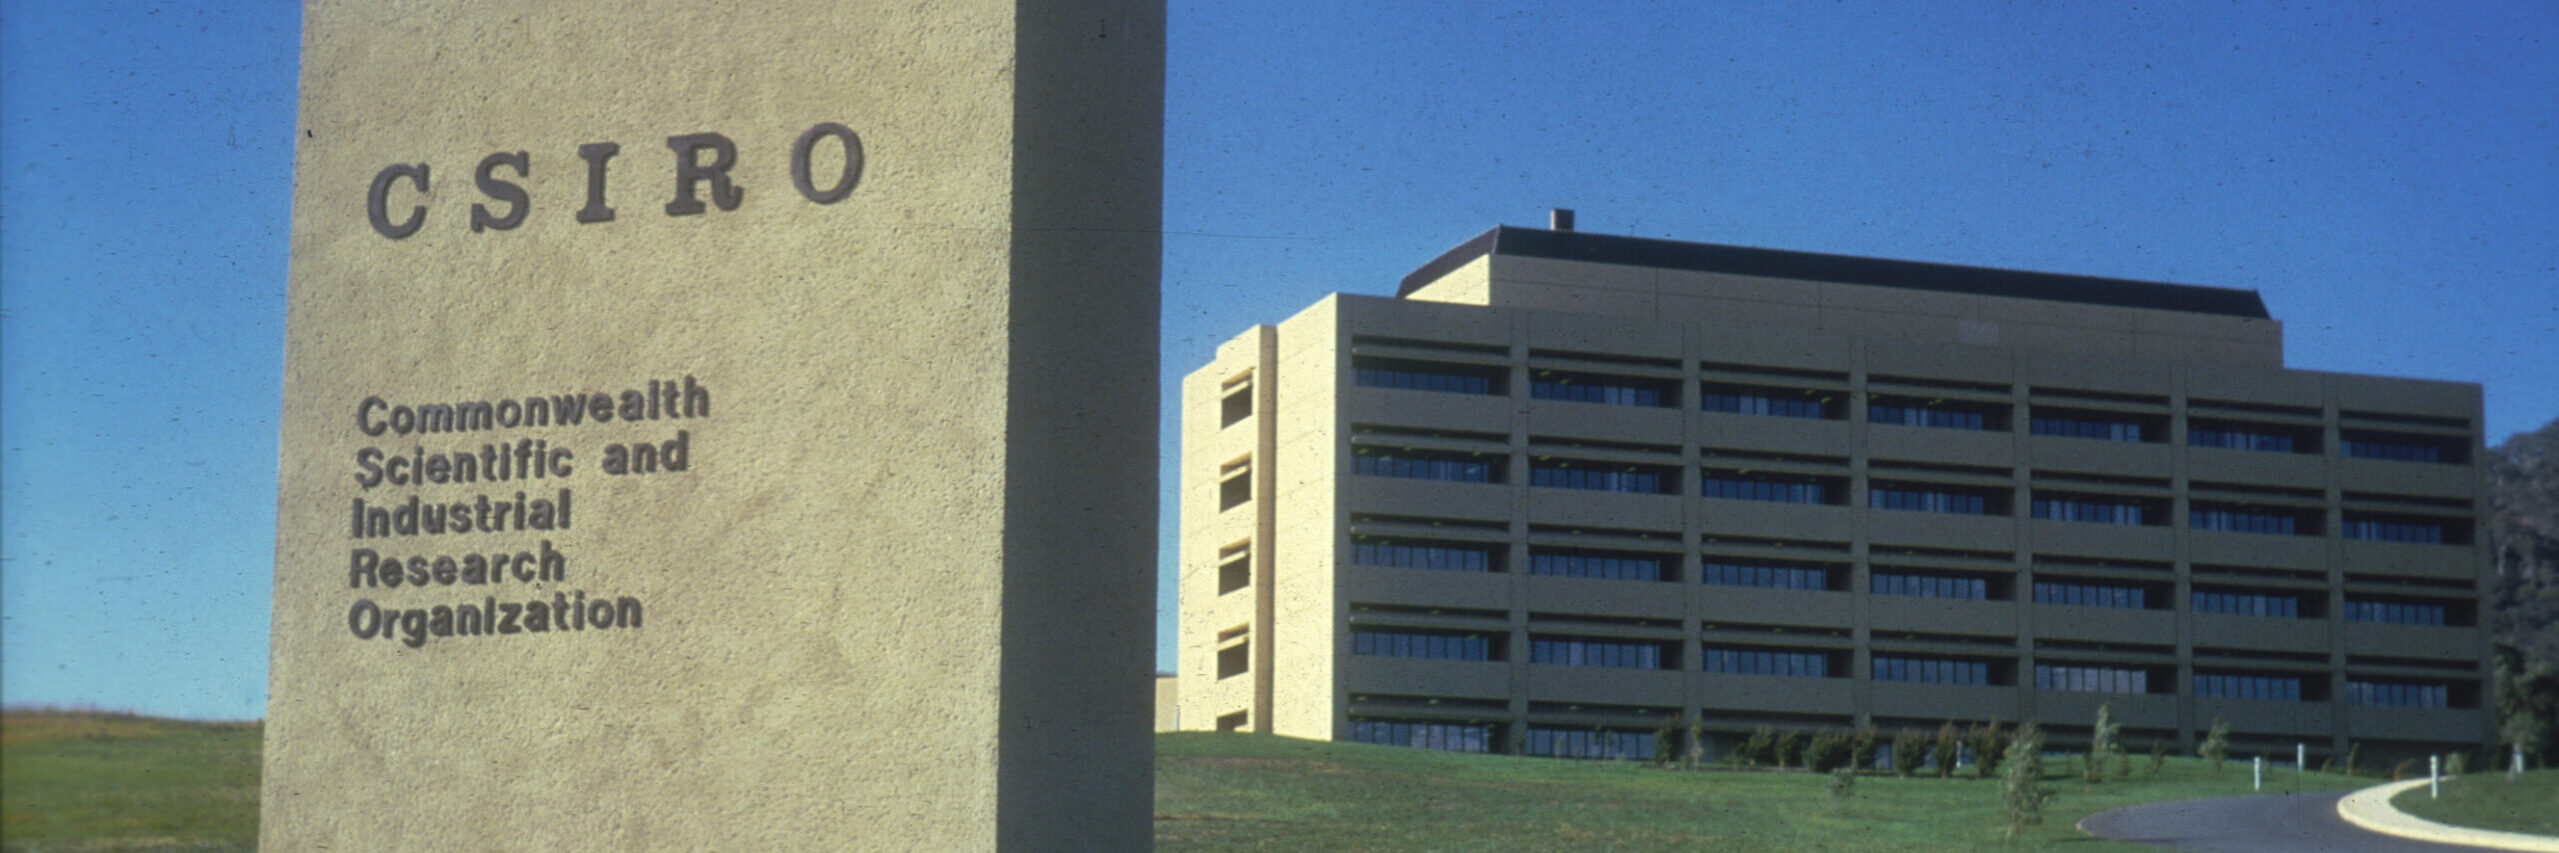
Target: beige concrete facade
2054,516
848,546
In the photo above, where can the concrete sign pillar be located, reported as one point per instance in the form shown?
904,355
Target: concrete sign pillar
719,427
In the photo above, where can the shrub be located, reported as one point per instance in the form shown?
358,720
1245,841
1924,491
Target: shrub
2216,745
1861,747
1789,748
1909,749
2405,769
1946,748
2104,743
1756,749
1666,741
2353,752
1696,741
2158,758
2021,781
1988,745
1826,751
2456,763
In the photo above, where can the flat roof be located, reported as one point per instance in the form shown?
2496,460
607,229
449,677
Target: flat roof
1843,269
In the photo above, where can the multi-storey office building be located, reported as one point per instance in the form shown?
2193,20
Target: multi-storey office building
1565,484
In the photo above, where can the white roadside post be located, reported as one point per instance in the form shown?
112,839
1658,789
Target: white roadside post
2434,777
2259,782
2300,760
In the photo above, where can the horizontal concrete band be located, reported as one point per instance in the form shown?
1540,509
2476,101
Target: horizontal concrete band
2370,808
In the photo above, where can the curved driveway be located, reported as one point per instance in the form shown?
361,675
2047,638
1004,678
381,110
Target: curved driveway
2263,823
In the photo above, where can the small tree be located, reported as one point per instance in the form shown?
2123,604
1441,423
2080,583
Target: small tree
1843,782
2216,745
1787,751
1910,747
2456,763
2104,742
1666,741
1756,749
1827,751
1696,741
2353,751
2021,781
1861,747
1988,745
2158,758
1948,746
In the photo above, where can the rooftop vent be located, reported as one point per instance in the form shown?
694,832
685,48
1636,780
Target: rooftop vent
1559,219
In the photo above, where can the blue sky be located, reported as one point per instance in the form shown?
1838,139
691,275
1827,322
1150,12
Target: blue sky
2387,175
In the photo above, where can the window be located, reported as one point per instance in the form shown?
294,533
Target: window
1601,476
2397,693
1425,465
1426,645
1234,567
2394,612
1767,487
1596,388
1941,414
1931,670
1238,402
1747,661
2090,595
1423,555
1428,376
2248,604
2400,447
2089,509
1926,499
2376,529
2260,437
1605,565
2086,425
1779,402
1928,586
2270,688
1766,576
1627,654
1452,737
1235,660
1235,484
2091,679
1600,743
2243,520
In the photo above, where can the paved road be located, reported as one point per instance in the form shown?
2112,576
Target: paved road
2265,823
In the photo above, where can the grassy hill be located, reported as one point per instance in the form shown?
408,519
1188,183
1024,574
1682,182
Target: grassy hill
2489,801
1244,792
83,780
99,781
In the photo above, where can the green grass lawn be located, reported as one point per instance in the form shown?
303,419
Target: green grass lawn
87,781
1242,792
96,781
2488,801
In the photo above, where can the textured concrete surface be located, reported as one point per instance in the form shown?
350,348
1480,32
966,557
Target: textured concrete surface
889,584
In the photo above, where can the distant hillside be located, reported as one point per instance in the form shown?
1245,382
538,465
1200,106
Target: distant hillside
96,780
2523,598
